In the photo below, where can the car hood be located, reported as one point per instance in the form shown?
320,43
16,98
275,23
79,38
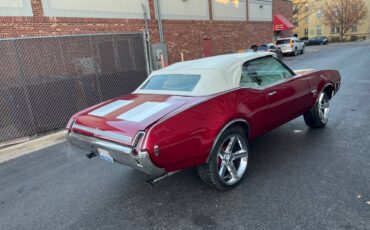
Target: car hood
120,119
304,71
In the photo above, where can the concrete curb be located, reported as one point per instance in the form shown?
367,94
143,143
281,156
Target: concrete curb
18,150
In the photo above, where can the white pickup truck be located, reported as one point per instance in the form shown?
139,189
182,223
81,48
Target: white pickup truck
290,45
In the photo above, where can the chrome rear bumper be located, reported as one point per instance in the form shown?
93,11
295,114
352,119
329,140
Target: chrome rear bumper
287,50
120,153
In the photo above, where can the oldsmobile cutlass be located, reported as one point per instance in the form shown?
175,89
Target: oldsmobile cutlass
203,113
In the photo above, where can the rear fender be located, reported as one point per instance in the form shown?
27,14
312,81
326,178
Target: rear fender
319,81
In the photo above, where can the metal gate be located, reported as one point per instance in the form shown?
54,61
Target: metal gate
44,80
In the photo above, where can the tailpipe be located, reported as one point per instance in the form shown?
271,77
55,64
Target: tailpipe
156,180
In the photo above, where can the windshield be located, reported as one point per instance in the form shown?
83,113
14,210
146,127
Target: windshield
285,41
172,82
262,48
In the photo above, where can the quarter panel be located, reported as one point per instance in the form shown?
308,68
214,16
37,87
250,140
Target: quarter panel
318,80
186,139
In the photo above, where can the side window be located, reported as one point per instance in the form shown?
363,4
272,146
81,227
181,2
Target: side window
263,72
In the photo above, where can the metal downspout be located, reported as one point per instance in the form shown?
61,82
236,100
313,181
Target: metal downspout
148,50
159,19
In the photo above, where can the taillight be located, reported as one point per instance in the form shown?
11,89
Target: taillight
70,123
138,139
291,43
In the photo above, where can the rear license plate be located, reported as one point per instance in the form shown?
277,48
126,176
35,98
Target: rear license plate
104,154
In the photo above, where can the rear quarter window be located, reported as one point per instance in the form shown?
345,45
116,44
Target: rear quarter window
284,41
262,48
172,82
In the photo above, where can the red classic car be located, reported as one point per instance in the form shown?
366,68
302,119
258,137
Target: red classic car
203,113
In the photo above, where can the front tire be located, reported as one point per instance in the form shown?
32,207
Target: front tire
228,162
318,116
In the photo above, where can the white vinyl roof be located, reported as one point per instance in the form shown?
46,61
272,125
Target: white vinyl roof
218,73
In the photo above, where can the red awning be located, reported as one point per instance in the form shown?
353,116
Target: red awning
281,23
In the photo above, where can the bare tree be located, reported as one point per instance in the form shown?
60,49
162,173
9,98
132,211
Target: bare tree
302,9
344,14
299,9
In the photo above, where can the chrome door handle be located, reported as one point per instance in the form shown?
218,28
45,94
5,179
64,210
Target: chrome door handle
272,93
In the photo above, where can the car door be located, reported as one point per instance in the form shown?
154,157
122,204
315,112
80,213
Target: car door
287,93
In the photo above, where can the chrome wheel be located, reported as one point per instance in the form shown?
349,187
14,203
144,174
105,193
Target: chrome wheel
232,159
324,107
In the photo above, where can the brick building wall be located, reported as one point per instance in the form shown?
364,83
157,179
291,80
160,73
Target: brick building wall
285,8
181,35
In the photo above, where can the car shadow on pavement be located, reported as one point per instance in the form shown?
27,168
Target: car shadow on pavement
276,172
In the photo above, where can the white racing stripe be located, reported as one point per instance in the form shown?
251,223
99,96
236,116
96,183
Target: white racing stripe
106,109
143,111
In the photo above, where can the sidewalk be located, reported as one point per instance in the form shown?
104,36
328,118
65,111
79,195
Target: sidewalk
18,150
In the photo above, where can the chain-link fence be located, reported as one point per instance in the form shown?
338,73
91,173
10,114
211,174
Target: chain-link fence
44,80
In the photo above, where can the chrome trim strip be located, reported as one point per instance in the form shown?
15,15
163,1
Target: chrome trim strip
100,133
114,136
94,141
83,128
138,140
222,130
323,89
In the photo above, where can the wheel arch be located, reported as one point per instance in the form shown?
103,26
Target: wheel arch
240,122
329,90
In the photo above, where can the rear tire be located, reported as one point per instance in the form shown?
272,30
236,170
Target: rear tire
228,162
318,116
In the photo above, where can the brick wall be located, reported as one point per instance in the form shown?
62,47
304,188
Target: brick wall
187,36
181,36
285,8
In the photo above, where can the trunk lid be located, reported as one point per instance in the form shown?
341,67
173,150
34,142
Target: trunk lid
120,119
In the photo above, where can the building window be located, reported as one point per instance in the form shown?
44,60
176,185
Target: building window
95,8
319,13
305,32
318,29
354,28
306,19
228,10
185,10
334,30
15,8
257,10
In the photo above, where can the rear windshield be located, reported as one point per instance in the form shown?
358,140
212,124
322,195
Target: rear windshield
172,82
284,41
262,48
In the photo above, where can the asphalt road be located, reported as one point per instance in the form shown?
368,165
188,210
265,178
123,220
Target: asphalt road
297,179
